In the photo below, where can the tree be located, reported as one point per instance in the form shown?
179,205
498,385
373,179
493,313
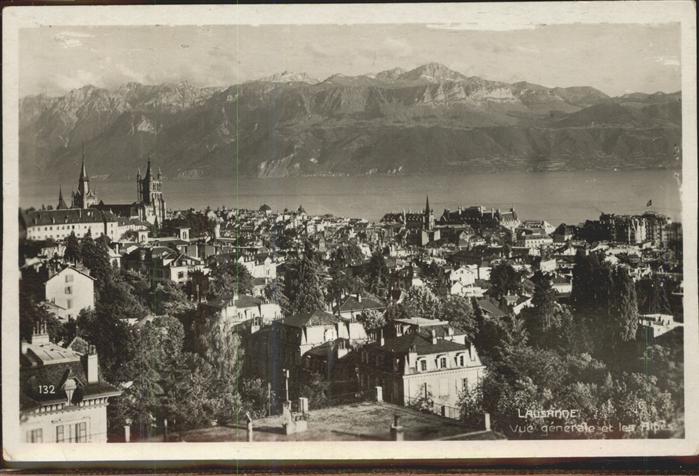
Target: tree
547,322
623,312
170,299
349,254
142,399
221,347
378,279
504,280
303,287
255,397
95,256
421,302
72,252
458,312
229,279
652,296
372,320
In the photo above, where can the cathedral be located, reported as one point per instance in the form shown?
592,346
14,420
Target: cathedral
149,205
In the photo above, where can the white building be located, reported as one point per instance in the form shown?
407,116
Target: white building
62,398
70,290
59,224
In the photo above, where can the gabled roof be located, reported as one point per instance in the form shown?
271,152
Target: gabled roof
66,216
491,308
369,301
317,318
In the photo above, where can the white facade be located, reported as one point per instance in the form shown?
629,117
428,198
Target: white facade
61,423
72,290
60,231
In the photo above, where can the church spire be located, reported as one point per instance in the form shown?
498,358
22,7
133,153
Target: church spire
83,172
148,169
61,203
427,205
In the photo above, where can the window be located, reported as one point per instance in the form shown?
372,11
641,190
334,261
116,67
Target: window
60,434
423,365
69,278
69,303
464,384
36,436
460,360
69,290
443,362
81,432
180,274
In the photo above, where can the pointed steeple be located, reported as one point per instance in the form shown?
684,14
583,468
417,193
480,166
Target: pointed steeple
427,205
147,177
61,203
83,172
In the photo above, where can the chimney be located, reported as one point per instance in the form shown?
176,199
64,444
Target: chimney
412,357
399,329
382,341
450,331
433,335
40,334
92,366
359,297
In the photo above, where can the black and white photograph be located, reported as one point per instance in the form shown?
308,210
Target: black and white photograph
440,226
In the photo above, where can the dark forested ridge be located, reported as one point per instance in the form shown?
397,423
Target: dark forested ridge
427,120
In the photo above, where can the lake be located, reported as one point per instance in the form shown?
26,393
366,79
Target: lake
569,197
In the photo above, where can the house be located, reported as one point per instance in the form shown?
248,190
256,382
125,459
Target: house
420,365
490,308
244,307
63,398
69,291
356,304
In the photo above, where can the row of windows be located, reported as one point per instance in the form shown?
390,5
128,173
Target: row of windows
441,361
73,433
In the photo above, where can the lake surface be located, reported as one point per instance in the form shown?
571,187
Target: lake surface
559,197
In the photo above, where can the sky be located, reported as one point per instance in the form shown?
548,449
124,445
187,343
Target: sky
614,58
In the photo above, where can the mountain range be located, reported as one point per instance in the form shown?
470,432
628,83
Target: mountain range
430,119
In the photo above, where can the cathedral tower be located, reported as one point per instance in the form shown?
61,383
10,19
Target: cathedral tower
84,197
150,196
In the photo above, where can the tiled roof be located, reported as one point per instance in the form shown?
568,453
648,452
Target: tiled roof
422,344
368,302
491,308
63,216
317,318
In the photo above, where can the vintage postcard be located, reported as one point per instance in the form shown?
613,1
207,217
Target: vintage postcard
409,231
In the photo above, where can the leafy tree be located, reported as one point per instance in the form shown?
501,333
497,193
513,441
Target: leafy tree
395,311
303,287
652,296
421,302
73,252
548,323
349,254
170,299
142,399
229,279
193,400
255,397
316,389
471,406
504,280
274,292
221,348
95,256
378,279
623,313
457,310
372,320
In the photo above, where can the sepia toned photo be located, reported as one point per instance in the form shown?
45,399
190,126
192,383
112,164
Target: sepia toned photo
277,229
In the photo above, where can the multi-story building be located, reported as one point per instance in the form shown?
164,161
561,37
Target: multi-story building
63,398
59,224
419,365
70,290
